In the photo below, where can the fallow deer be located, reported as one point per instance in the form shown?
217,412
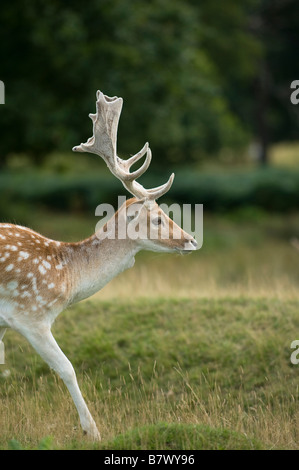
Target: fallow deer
40,277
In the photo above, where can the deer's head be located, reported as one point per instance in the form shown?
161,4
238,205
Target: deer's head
145,222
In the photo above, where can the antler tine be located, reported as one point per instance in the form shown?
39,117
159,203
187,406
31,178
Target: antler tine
163,189
126,164
103,143
139,191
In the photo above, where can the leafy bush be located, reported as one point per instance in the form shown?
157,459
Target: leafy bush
269,189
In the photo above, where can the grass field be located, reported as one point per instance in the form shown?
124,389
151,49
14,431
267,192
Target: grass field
212,373
177,353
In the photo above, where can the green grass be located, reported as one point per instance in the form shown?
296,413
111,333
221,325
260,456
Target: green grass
162,436
178,436
208,373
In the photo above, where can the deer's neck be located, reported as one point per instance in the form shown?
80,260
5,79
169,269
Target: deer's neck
94,262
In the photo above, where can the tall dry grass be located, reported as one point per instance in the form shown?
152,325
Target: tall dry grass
29,413
265,270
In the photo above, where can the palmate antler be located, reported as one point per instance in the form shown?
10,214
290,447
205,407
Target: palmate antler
103,143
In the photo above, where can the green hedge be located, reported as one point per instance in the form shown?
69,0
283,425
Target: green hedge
269,189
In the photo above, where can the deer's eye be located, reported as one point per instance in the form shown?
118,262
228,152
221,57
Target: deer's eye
157,221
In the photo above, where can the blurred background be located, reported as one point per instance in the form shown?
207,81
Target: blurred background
206,83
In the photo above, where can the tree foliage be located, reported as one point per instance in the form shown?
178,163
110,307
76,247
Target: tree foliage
186,71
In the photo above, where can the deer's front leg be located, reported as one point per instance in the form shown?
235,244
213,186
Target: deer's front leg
44,343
